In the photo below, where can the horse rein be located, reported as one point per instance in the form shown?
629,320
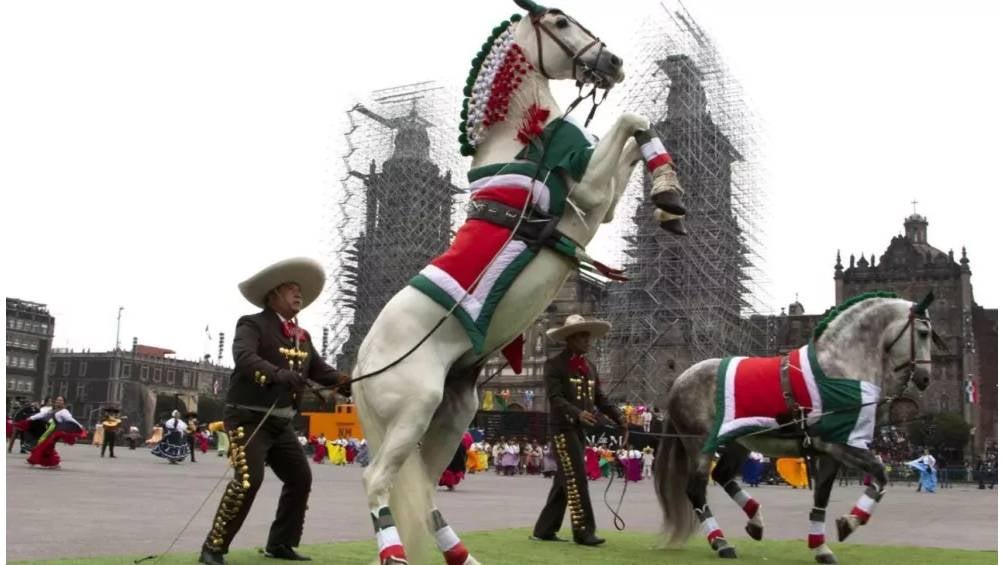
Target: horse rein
911,364
589,72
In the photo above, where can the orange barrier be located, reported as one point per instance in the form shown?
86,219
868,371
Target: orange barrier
342,423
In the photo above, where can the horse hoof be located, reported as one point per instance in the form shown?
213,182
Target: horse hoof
674,226
394,561
471,560
826,558
727,552
755,531
670,201
844,528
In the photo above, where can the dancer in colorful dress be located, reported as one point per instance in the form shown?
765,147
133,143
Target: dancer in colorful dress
454,472
32,429
320,448
222,440
61,426
173,446
592,463
363,457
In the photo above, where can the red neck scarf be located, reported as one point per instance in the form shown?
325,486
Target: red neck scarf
291,330
577,364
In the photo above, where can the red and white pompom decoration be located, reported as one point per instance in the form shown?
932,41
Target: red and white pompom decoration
502,73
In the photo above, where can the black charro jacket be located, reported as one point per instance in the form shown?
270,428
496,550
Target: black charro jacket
257,340
568,394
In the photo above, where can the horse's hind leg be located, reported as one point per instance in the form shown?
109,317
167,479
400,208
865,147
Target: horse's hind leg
406,420
697,492
864,461
826,472
732,459
452,418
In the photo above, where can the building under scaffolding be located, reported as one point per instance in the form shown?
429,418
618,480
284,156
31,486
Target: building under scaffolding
395,209
689,298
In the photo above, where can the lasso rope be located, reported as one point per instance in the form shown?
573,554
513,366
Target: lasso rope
157,556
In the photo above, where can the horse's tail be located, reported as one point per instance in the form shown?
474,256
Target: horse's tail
411,491
672,471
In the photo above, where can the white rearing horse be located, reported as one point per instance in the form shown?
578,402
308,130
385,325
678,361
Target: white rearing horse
422,398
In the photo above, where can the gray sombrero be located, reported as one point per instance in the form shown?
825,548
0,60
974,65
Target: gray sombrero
577,324
306,272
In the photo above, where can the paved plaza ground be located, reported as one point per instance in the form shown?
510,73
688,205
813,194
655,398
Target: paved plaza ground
136,503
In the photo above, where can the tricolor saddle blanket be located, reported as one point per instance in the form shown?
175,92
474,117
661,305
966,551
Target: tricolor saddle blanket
750,398
486,249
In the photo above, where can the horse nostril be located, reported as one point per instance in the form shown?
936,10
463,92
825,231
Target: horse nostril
615,60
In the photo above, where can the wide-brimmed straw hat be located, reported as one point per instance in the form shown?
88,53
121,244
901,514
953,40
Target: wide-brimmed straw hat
577,324
306,272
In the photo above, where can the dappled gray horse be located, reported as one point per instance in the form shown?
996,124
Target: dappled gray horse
819,400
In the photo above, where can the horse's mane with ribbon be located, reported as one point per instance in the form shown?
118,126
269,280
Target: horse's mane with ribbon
481,109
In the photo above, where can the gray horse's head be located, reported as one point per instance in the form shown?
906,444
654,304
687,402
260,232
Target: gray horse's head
909,344
562,48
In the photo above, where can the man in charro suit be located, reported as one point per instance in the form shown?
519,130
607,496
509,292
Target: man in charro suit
574,395
273,358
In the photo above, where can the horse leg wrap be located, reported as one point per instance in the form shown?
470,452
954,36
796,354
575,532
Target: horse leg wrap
388,540
454,552
817,528
866,504
754,527
666,194
714,533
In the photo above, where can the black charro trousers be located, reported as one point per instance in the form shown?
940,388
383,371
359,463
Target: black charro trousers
569,489
274,443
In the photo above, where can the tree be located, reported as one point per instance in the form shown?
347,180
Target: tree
945,433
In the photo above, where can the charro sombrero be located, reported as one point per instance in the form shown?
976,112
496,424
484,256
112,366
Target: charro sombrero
577,324
304,271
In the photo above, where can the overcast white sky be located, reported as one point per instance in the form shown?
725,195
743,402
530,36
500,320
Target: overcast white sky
152,155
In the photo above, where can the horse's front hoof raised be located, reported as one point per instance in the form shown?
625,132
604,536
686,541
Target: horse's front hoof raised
670,201
674,226
755,531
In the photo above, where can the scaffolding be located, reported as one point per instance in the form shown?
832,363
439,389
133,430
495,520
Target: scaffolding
689,298
397,204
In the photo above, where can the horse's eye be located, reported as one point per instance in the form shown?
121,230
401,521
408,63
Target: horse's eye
923,332
561,23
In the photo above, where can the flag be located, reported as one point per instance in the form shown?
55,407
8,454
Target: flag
209,336
972,393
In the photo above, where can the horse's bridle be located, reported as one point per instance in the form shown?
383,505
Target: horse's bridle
589,72
911,364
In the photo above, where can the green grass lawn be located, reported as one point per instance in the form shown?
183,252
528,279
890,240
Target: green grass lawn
513,546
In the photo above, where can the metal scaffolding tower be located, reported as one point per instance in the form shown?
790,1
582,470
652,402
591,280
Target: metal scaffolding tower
689,298
396,206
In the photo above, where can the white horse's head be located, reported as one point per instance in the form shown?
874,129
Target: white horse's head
908,343
901,329
562,48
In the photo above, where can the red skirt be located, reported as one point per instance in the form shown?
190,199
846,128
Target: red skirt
45,453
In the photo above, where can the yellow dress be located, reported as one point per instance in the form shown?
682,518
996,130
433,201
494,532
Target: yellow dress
339,458
472,460
482,460
332,449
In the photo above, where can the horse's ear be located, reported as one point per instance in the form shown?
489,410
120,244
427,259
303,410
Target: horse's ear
534,8
921,307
